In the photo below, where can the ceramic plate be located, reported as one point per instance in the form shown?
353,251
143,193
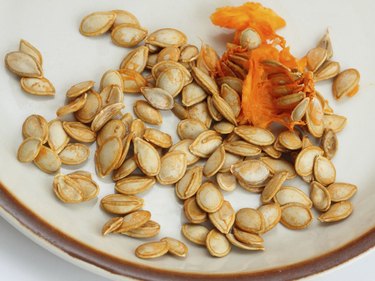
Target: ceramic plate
73,231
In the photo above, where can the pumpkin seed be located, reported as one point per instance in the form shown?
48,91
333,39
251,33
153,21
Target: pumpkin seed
127,119
112,225
290,101
205,144
224,127
325,43
180,111
134,220
74,154
329,143
86,185
230,159
251,172
97,23
146,156
271,151
240,61
173,167
27,48
57,138
324,170
67,189
224,108
158,98
346,83
214,113
29,149
163,65
171,80
183,146
158,138
91,108
105,115
273,186
271,214
305,160
23,65
128,35
108,155
223,219
214,162
133,81
233,82
79,131
121,204
189,183
134,184
242,148
135,60
138,128
79,89
147,230
241,245
209,57
73,106
279,147
176,247
315,58
47,160
290,140
289,194
81,173
193,212
114,128
226,181
205,81
328,70
295,216
250,39
306,142
249,220
151,61
193,94
340,191
195,233
217,244
126,168
279,165
247,238
144,111
169,53
209,197
200,112
299,111
320,197
188,53
111,94
255,135
35,126
166,37
232,98
124,17
37,86
337,212
334,122
125,149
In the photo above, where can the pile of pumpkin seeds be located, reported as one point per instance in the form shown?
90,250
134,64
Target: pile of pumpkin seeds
214,154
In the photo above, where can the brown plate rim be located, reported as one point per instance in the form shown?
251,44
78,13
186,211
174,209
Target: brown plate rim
113,265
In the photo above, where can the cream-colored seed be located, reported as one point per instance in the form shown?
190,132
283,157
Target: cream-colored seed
296,216
217,244
176,247
289,194
195,233
209,197
337,212
152,250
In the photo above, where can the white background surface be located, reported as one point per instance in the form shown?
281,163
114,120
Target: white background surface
23,260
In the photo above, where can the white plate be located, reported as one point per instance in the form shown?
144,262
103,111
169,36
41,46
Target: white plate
69,58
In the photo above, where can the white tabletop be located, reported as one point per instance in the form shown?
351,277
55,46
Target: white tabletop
23,260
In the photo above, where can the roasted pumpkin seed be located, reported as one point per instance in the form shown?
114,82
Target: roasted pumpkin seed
192,94
37,86
35,126
23,65
271,214
346,83
171,80
324,170
146,156
97,23
147,230
249,220
214,162
72,106
124,17
57,137
320,197
176,247
295,216
205,144
209,197
200,112
79,131
108,155
255,135
67,189
217,244
289,194
112,225
79,89
195,233
173,167
223,219
144,111
273,186
121,204
47,160
134,220
251,172
105,115
189,183
241,245
226,181
134,184
166,37
74,154
27,48
305,160
340,191
91,108
158,98
193,213
128,35
337,212
135,60
329,143
29,149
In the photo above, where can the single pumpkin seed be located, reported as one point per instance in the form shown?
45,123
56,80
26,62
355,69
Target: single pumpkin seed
67,189
47,160
224,108
325,43
189,183
166,37
205,81
340,191
158,98
214,162
214,113
226,181
273,186
147,230
299,111
249,220
23,65
289,194
37,86
91,108
337,212
329,69
217,244
251,172
324,170
35,126
346,83
209,197
158,138
295,216
108,155
151,61
138,128
315,58
232,98
180,111
329,143
290,140
171,80
320,197
128,35
334,122
247,238
72,106
126,168
176,247
279,165
134,184
134,220
224,127
135,60
205,144
173,167
290,101
242,148
169,53
200,112
133,81
144,111
123,16
113,128
97,23
79,131
111,94
305,160
27,48
233,82
188,53
193,94
193,212
57,137
250,39
81,173
74,154
112,225
29,149
146,156
255,135
271,151
121,204
89,189
183,146
232,239
105,115
79,89
271,214
223,219
125,149
163,65
195,233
